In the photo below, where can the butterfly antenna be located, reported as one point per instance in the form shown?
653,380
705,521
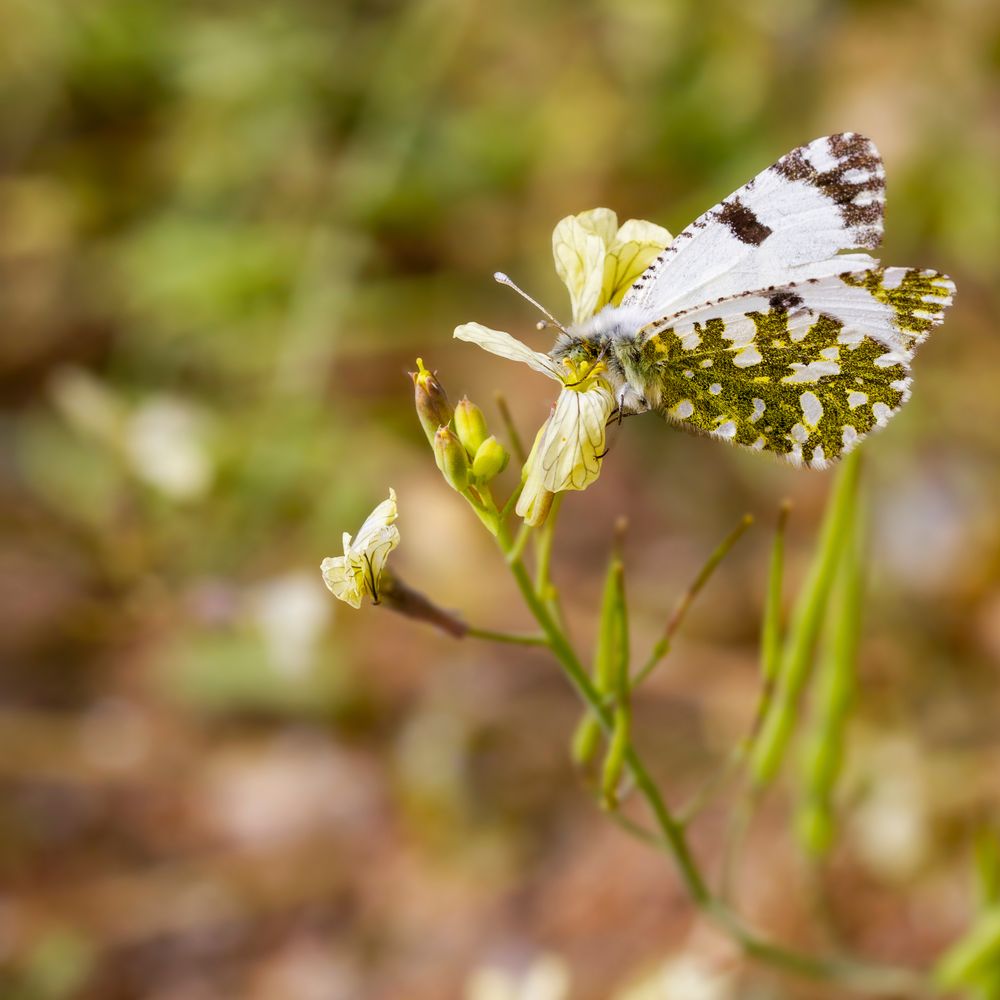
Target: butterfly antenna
502,279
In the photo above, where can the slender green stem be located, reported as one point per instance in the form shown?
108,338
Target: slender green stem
770,642
516,444
637,830
796,659
577,676
662,647
712,786
543,551
517,549
508,507
879,979
509,637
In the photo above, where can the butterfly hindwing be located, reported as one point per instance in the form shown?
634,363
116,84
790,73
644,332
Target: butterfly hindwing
786,225
801,370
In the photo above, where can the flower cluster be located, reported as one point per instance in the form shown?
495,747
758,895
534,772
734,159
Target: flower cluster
598,261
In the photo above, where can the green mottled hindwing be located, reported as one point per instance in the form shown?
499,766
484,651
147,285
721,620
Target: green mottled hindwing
804,371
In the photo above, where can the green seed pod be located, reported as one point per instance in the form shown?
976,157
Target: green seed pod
614,761
586,739
470,425
491,459
451,459
431,401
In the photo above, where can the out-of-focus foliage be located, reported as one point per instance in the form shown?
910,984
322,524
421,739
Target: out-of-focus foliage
225,232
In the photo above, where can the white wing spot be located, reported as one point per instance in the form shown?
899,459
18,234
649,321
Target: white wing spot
819,155
797,332
818,460
881,413
811,372
855,399
758,445
830,353
707,363
688,373
800,433
758,410
726,430
715,388
683,409
854,176
849,436
747,357
812,408
795,455
889,359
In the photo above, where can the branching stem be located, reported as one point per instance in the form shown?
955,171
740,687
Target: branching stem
670,835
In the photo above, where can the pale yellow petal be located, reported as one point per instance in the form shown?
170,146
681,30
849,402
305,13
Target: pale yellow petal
634,248
641,231
358,571
384,514
505,346
342,581
573,446
579,254
534,502
602,222
376,555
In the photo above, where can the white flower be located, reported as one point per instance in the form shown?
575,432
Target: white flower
358,571
546,978
167,445
568,448
598,261
291,611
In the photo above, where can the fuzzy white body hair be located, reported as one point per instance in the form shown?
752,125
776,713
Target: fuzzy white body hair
613,334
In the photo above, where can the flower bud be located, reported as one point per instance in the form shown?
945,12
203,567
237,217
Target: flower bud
470,425
491,459
451,459
431,401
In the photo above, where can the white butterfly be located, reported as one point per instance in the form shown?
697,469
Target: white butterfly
761,323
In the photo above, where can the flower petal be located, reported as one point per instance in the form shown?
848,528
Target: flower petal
342,580
376,555
579,250
572,447
503,344
601,222
535,500
641,231
633,249
382,516
358,571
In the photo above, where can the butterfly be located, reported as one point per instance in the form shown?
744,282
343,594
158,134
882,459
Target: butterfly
764,322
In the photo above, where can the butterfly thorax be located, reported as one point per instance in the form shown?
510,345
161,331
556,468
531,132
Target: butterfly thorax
612,336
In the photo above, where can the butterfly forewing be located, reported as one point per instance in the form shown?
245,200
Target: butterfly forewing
802,370
786,225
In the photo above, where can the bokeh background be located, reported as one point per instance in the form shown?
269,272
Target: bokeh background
226,231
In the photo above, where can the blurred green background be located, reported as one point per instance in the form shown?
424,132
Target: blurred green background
226,230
